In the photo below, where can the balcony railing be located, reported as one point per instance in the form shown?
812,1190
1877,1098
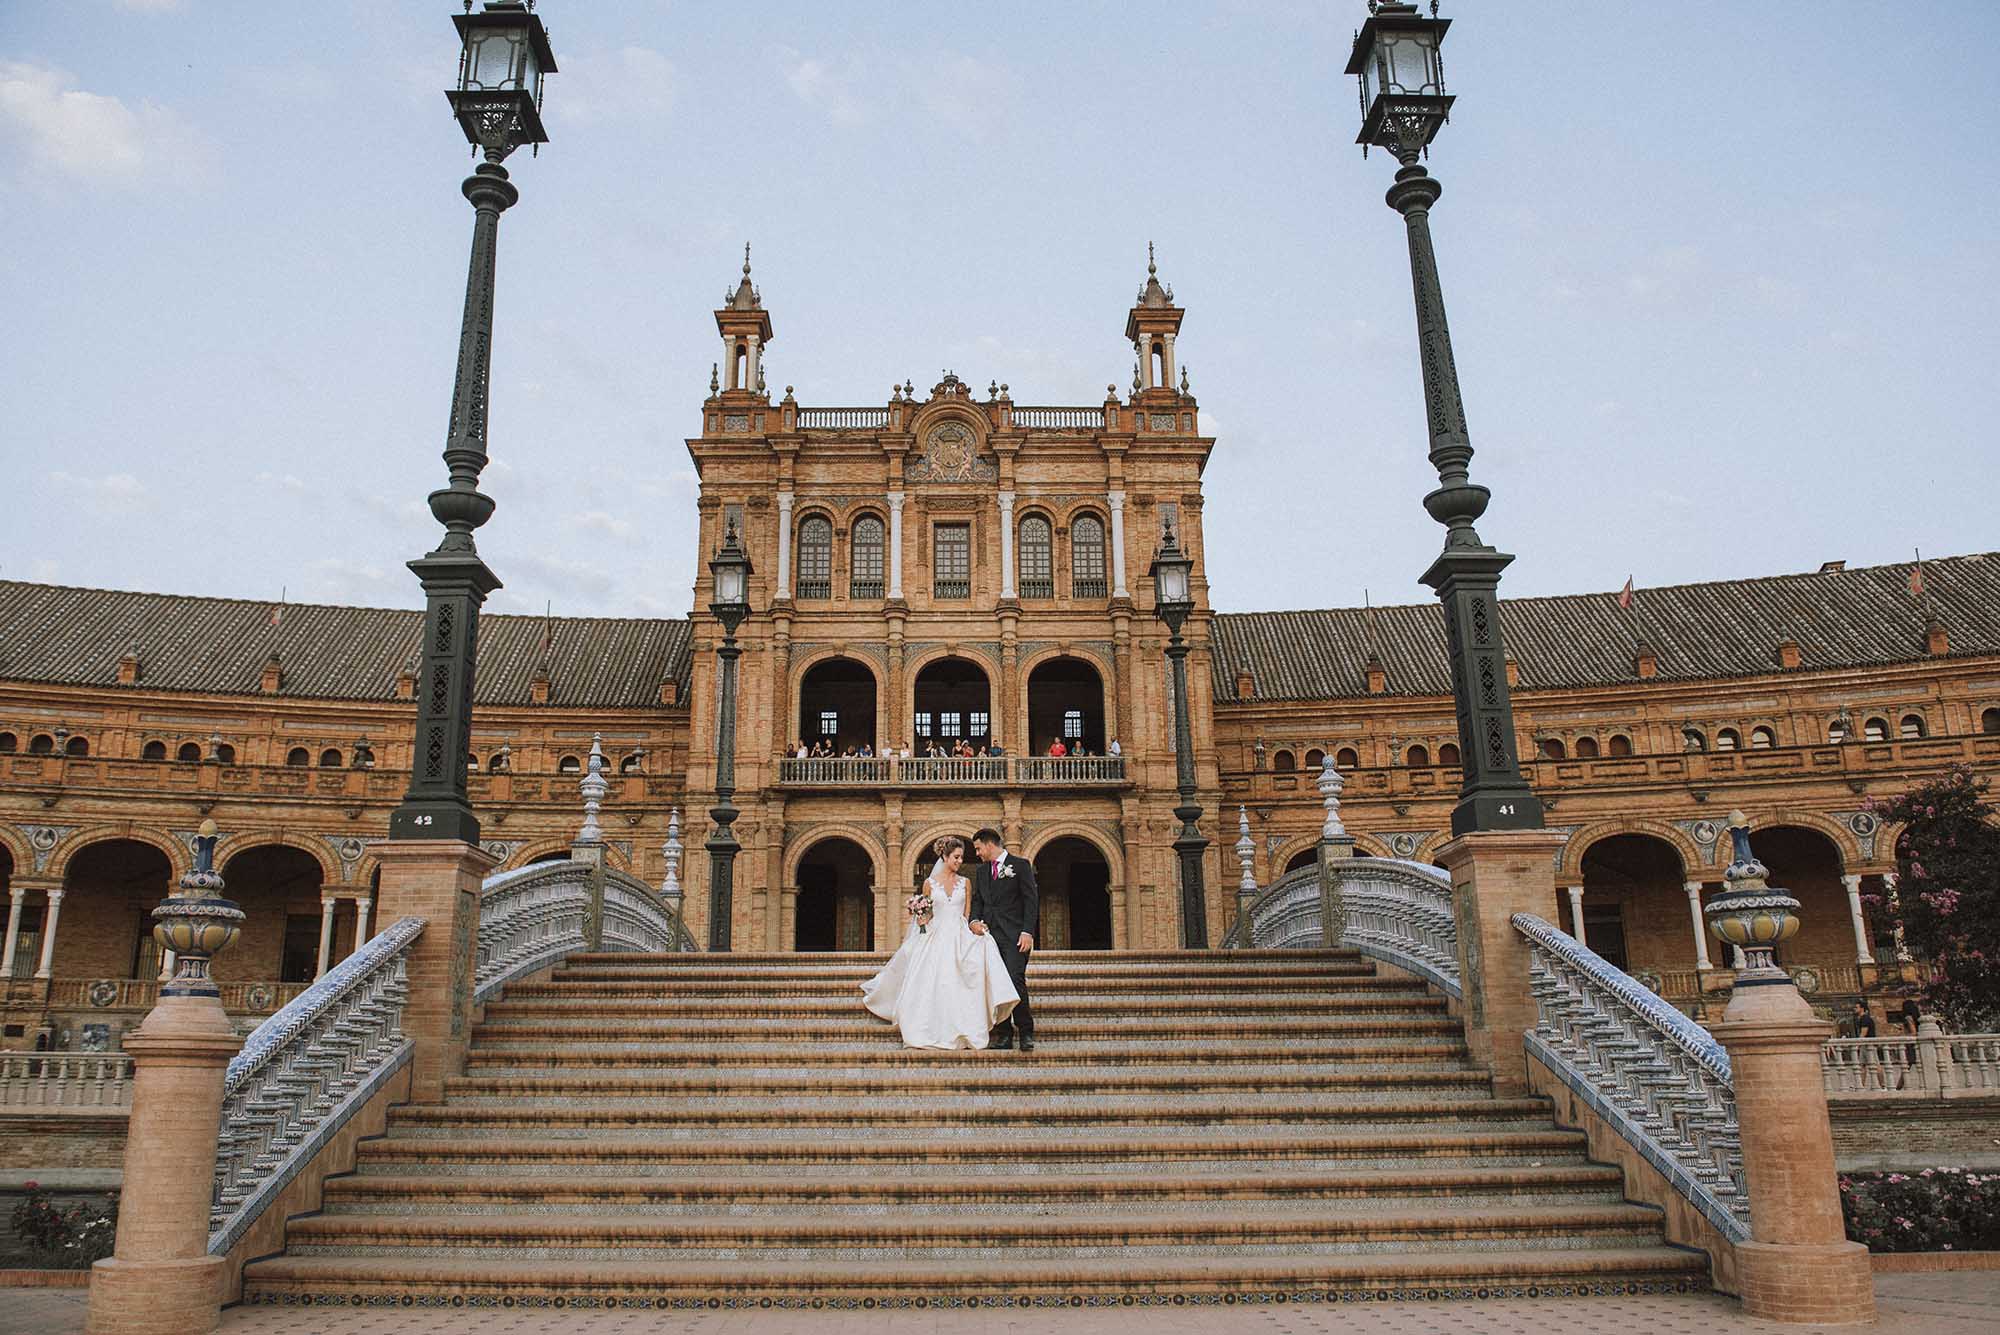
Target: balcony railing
142,994
32,1081
952,588
1038,588
843,419
1083,587
865,588
1059,419
1931,1065
815,589
951,771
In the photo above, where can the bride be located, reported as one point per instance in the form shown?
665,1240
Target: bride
946,987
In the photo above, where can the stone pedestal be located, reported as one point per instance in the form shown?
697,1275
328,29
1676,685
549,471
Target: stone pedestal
437,880
161,1280
1798,1265
1494,875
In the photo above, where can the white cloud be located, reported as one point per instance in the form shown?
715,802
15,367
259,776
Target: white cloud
288,482
396,510
44,570
92,137
633,83
112,494
338,579
600,521
557,577
830,89
970,94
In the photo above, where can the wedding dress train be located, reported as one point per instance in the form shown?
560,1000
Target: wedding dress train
945,987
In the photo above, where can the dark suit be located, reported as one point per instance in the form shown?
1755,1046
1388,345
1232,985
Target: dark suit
1009,906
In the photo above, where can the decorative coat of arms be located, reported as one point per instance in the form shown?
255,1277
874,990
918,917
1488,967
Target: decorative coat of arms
951,454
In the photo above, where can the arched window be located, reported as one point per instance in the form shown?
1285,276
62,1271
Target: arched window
1038,558
1692,740
77,746
1621,745
1315,758
298,757
1448,754
1586,748
9,743
1552,749
631,764
471,763
1875,730
815,557
1418,755
498,762
1284,762
1911,726
864,580
226,754
1086,558
1728,739
154,751
1762,739
1989,722
41,744
1346,760
569,765
188,753
329,758
1837,731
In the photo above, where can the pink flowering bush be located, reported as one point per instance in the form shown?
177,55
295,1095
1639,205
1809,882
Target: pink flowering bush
1948,866
64,1239
1936,1210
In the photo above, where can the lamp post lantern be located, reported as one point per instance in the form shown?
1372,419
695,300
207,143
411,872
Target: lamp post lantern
1403,105
730,605
1173,603
504,55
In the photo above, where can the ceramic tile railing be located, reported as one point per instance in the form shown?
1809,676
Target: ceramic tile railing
304,1072
1655,1076
33,1081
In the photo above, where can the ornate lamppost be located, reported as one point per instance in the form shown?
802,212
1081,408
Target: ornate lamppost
731,603
1173,603
503,58
1403,105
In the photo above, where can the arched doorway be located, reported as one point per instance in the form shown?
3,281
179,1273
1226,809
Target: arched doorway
278,889
953,701
1075,885
104,931
1066,700
1305,857
1807,863
835,909
1635,904
837,705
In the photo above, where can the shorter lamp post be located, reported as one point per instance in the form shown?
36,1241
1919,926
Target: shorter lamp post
730,605
1173,603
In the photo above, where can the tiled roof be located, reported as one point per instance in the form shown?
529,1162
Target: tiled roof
1843,618
53,634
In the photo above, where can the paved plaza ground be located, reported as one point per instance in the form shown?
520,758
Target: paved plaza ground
1943,1304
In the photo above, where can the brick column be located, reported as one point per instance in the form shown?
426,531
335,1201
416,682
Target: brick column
437,880
1798,1265
1494,875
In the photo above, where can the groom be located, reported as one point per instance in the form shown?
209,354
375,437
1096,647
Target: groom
1004,895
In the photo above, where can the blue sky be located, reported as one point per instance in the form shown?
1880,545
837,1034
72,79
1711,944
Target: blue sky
1720,277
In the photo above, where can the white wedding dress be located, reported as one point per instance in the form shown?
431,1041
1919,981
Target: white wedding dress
945,987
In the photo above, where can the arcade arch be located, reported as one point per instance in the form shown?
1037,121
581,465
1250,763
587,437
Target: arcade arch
837,704
1066,700
1073,877
834,907
951,701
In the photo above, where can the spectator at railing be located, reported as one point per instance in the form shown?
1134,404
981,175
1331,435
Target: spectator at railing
1114,749
1862,1021
1057,749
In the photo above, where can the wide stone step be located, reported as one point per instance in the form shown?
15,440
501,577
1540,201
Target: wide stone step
1247,960
614,1000
807,1285
518,1054
384,1192
983,1080
1090,1150
1029,1232
830,983
717,968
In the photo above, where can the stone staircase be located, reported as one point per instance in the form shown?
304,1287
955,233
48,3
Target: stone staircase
686,1130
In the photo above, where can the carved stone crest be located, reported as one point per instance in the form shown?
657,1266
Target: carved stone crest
951,454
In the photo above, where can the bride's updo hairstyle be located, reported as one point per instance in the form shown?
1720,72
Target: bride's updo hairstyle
945,844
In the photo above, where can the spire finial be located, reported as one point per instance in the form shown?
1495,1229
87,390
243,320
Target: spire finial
1151,268
746,259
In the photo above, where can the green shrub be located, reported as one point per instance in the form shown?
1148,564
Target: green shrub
1936,1210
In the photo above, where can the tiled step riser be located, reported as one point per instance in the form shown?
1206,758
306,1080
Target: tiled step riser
1009,1122
1025,1085
838,989
527,1058
1174,959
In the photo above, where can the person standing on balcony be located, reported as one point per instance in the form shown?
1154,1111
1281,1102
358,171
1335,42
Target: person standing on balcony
1862,1020
1114,749
1056,748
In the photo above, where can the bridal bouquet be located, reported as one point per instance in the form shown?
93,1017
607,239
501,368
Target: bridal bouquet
919,906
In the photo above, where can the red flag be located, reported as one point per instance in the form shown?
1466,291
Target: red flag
1625,595
1917,578
278,610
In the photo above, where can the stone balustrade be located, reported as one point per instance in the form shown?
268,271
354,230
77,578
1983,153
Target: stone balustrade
1058,419
952,771
1657,1078
1930,1065
252,997
1389,909
843,419
34,1081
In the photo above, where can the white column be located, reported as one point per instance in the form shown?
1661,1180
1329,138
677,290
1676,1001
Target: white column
15,898
1861,955
1167,360
363,906
1116,499
755,344
1700,926
1144,349
326,907
1576,913
1903,955
895,544
784,544
1006,544
728,362
49,934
